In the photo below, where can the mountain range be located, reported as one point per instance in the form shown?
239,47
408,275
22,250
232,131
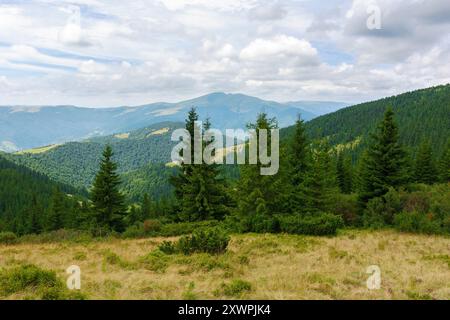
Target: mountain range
143,154
24,127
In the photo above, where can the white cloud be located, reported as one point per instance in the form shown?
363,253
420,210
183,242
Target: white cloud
280,46
125,53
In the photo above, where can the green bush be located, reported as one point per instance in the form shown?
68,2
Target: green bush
209,240
167,247
318,224
346,206
156,261
418,222
261,223
236,288
151,225
31,279
8,237
181,228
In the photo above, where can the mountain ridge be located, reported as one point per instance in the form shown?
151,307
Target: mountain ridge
25,127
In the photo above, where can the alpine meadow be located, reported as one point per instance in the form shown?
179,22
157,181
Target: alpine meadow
296,194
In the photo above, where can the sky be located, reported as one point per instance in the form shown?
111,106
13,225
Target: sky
110,53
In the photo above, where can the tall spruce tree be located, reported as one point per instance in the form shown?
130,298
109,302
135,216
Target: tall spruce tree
384,162
299,156
200,189
270,189
57,211
108,202
444,164
35,213
146,207
344,173
320,183
425,170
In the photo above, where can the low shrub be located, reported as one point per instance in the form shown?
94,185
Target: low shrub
346,206
181,228
261,223
151,225
318,224
41,283
7,237
418,222
114,259
236,288
156,261
209,240
167,247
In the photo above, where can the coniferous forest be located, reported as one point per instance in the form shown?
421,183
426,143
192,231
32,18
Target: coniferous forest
320,188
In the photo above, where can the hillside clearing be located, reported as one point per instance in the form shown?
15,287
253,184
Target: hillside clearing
255,267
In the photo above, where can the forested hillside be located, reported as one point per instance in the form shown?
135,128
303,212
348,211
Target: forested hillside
22,190
421,115
76,163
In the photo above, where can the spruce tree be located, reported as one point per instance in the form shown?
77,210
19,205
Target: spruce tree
298,154
344,173
384,163
444,164
200,189
273,189
57,211
425,169
319,184
180,181
146,207
108,202
35,212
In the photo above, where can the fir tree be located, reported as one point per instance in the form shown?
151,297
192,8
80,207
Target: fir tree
57,211
425,169
273,189
134,215
35,213
108,202
319,183
384,162
199,188
344,173
298,154
146,208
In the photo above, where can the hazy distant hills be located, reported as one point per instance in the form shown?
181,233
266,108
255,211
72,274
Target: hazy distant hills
23,127
75,163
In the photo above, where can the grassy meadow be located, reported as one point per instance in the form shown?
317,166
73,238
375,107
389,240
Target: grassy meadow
255,266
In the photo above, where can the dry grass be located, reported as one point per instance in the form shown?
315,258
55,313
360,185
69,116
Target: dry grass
255,267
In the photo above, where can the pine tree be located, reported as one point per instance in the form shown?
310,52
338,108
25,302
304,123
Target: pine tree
199,188
56,211
298,154
385,161
425,169
146,207
108,202
273,189
319,183
181,180
444,165
134,215
344,173
35,213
